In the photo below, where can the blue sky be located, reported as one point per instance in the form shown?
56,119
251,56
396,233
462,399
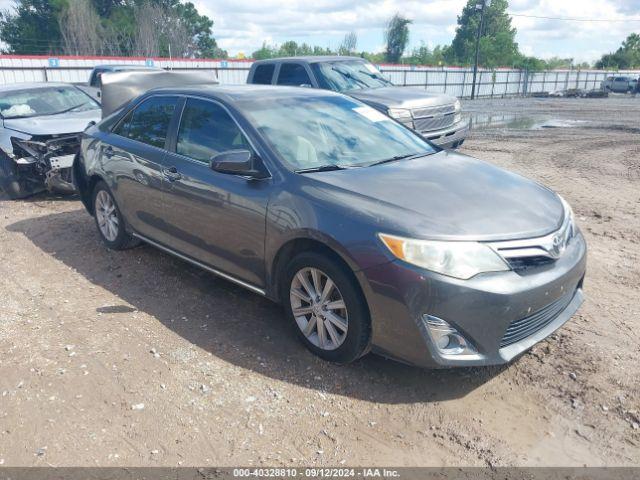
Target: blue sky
242,25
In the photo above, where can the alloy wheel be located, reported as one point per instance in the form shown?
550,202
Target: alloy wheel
107,216
319,308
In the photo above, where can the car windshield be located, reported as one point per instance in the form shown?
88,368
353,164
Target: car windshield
34,102
341,76
330,132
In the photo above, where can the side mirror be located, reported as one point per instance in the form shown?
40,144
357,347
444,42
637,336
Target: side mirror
235,162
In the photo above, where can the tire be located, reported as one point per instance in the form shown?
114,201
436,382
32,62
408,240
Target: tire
336,344
8,179
113,231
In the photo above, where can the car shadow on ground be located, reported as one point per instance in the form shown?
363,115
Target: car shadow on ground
231,323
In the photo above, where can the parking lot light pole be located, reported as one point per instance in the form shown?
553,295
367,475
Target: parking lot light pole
481,5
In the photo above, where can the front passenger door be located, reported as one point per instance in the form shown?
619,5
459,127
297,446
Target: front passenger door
215,218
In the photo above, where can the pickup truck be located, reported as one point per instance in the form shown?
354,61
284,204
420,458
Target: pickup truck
92,87
435,116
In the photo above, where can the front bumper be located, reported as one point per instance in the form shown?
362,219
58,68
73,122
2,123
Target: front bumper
451,137
481,308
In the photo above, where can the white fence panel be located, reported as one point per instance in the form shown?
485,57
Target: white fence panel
452,80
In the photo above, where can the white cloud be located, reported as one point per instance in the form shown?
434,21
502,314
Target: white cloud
242,25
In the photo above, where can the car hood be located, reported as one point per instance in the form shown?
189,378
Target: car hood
70,122
401,97
445,196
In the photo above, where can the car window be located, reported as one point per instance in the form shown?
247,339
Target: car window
293,74
206,129
348,75
264,74
149,122
309,132
95,77
44,101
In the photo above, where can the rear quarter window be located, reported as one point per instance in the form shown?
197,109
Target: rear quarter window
263,74
293,74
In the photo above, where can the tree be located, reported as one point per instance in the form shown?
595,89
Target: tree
349,44
627,56
116,27
423,55
396,37
290,48
80,28
31,27
265,52
497,43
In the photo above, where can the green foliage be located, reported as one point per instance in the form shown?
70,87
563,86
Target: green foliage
553,63
423,55
497,43
32,26
396,37
289,48
627,56
349,44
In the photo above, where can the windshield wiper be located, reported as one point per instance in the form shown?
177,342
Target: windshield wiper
350,77
375,76
330,167
399,157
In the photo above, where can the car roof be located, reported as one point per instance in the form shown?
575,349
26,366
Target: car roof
12,87
313,59
245,92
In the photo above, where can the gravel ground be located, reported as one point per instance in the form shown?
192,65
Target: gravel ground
135,358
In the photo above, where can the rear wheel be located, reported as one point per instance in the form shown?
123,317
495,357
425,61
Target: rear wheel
326,307
109,220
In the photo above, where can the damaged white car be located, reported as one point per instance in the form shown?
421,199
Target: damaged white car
39,135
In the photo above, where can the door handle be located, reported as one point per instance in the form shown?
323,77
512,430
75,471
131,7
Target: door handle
171,174
108,152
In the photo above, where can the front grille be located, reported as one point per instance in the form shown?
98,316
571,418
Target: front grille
432,111
431,124
433,118
521,264
525,327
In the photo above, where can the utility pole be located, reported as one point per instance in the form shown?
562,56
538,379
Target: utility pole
481,5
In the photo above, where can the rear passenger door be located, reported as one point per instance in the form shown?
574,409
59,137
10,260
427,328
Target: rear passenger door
294,75
135,155
215,218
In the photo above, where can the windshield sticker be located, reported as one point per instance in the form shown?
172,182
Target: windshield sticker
371,114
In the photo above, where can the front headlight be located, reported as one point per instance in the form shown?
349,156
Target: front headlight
402,115
569,218
456,259
458,105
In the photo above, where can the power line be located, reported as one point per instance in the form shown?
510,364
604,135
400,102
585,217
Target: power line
570,19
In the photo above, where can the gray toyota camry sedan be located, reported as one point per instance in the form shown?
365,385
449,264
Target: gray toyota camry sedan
371,238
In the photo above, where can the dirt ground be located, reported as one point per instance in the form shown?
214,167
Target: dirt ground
136,358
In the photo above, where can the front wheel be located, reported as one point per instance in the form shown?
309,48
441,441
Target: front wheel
109,220
326,307
9,179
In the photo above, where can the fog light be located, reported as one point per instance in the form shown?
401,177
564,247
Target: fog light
447,339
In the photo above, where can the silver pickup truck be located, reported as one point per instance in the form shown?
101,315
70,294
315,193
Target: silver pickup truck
435,116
